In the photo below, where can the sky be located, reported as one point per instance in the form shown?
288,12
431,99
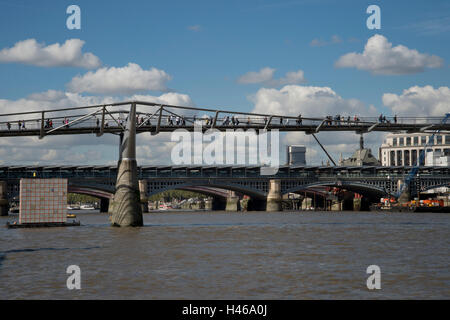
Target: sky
285,57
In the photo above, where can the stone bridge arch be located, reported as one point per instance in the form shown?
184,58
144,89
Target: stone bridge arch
155,187
209,191
371,191
430,186
104,195
98,193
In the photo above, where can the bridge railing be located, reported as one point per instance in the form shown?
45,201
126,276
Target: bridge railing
157,115
94,123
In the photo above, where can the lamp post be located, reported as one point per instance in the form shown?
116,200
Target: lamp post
418,187
389,190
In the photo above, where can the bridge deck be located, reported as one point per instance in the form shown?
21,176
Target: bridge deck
100,180
155,118
167,171
308,129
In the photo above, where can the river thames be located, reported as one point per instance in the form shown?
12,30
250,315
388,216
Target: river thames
219,255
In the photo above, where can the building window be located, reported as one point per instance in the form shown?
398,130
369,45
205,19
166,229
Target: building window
447,139
416,140
447,151
394,142
392,158
423,140
407,157
399,158
400,141
408,141
414,157
439,139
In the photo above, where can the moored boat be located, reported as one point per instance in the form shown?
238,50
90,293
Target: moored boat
431,205
87,207
42,225
164,206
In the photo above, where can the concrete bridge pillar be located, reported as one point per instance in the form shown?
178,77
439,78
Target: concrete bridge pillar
274,196
143,195
4,206
208,204
112,203
406,194
232,202
306,203
356,204
337,205
104,205
244,203
127,210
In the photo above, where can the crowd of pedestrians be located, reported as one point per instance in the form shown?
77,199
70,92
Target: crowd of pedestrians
341,120
382,119
175,120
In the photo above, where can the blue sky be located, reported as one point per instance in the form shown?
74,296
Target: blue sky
206,46
234,38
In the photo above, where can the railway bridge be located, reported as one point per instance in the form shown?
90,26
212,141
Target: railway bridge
372,182
129,183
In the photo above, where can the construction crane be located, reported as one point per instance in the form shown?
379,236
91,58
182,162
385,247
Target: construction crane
421,161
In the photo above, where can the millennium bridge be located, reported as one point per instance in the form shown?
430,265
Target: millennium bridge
155,118
127,184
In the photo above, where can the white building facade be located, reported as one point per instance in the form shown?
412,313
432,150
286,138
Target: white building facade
296,155
403,149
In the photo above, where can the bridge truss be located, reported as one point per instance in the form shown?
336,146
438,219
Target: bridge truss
156,117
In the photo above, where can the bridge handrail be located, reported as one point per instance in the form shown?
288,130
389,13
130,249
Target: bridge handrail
260,117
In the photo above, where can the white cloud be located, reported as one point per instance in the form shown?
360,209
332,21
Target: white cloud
380,57
170,98
429,27
55,55
419,101
316,102
306,100
261,76
195,28
335,39
317,43
125,80
291,77
265,77
80,149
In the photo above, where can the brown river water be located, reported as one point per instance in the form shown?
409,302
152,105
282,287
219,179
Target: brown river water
219,255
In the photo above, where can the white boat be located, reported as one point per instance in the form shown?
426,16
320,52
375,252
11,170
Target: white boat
164,206
87,207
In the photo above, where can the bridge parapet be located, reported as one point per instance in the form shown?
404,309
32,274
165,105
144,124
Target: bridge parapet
155,118
4,206
246,180
109,173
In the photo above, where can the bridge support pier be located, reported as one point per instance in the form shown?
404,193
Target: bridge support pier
406,194
244,204
337,205
232,202
274,196
126,210
4,206
104,205
356,204
209,204
143,195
